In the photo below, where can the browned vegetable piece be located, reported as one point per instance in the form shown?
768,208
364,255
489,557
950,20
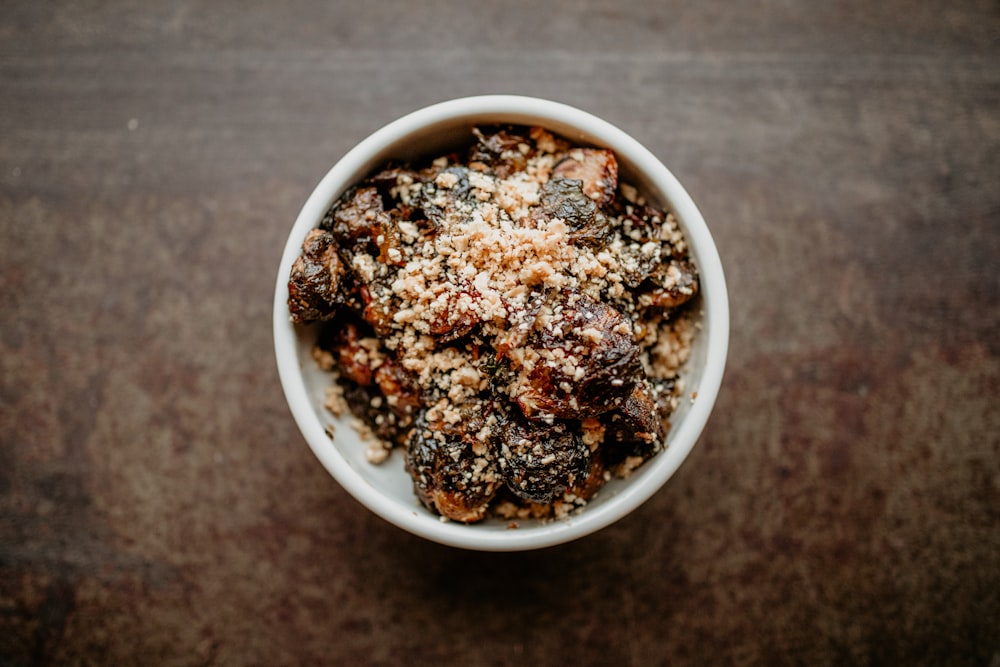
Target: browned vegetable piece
355,218
636,428
671,284
429,203
315,280
360,226
499,150
360,223
379,306
538,461
354,350
378,389
586,488
564,198
596,168
368,405
454,473
389,240
414,206
390,177
664,274
587,362
399,388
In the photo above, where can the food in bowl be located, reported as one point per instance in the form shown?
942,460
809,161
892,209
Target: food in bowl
512,317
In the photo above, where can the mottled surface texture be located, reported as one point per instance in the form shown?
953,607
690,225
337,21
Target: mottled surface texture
159,507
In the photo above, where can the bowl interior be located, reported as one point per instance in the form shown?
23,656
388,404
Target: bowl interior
386,488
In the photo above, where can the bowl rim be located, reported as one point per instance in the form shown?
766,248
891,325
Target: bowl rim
715,318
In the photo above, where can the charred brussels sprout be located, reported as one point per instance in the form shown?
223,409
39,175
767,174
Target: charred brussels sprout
454,473
540,462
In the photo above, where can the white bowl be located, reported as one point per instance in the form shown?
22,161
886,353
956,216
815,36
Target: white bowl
387,489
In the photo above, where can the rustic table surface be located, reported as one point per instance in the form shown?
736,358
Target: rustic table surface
158,505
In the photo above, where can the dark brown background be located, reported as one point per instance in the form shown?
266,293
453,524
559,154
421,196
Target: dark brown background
158,505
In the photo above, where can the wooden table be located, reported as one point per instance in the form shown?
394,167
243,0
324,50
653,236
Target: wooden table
158,505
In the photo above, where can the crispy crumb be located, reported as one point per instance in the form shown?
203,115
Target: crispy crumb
323,358
334,399
376,451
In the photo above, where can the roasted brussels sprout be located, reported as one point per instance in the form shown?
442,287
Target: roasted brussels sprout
595,168
454,472
540,462
314,286
564,198
583,363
